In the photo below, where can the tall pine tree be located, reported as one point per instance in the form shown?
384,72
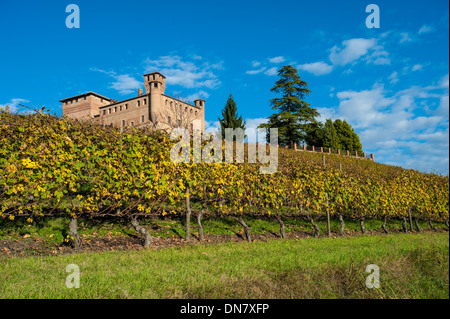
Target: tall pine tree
230,117
294,114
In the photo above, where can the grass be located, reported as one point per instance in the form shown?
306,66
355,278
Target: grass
54,230
411,266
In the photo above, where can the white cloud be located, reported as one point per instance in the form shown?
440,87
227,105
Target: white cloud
393,77
443,82
251,129
267,71
277,59
254,134
395,126
326,113
364,107
198,95
212,127
425,29
379,56
185,73
417,67
351,50
124,83
443,109
272,71
316,68
405,37
256,71
13,105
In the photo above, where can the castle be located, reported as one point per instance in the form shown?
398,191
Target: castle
153,108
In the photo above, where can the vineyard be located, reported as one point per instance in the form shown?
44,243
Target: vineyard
58,167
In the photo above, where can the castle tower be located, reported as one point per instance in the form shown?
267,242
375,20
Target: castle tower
84,106
155,85
200,103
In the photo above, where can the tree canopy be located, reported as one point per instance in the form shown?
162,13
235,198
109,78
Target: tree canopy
336,135
294,114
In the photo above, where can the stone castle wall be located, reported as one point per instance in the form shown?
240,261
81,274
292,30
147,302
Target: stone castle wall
152,108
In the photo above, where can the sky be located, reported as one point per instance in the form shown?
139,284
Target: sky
391,83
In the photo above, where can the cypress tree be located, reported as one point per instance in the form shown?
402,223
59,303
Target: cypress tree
230,117
330,135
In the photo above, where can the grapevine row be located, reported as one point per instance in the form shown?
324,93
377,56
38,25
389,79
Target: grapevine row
52,166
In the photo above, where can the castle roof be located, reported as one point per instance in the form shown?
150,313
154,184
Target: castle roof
155,73
83,95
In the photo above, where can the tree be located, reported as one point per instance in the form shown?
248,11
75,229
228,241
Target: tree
347,138
230,117
336,135
314,134
294,113
176,116
330,136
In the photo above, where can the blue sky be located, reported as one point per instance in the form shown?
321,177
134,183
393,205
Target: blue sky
391,84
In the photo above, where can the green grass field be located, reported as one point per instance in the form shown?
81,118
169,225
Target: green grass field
411,266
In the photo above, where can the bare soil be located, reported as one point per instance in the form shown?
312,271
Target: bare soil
26,247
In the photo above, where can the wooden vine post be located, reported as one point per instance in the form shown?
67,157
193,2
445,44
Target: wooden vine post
328,206
410,220
328,217
188,215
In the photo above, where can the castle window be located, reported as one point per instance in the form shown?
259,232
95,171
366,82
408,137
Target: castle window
169,119
126,106
139,103
123,123
155,85
192,127
109,111
104,112
120,108
171,105
192,111
153,76
142,119
145,101
115,109
166,102
185,109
